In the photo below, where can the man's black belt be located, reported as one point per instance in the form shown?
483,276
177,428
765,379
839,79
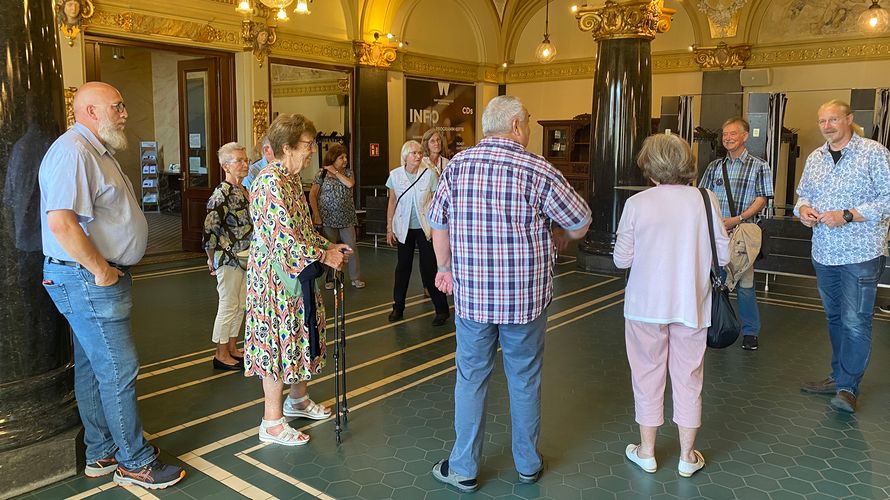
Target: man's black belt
53,260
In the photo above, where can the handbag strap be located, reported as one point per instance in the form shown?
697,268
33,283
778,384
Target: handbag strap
715,268
732,207
411,186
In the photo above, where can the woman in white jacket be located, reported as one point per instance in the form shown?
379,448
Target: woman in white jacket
411,188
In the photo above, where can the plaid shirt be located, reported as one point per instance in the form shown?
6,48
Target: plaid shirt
749,177
497,201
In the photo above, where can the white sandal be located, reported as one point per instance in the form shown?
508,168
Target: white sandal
287,437
312,410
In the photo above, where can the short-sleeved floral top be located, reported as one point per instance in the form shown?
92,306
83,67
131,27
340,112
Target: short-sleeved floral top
335,203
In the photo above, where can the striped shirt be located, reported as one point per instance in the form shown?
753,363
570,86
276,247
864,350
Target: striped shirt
749,178
860,180
497,201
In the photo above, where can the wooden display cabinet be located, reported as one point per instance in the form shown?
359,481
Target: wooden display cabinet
566,145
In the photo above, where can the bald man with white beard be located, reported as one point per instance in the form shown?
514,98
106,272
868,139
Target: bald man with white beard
93,230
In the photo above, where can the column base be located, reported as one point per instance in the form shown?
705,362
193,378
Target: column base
42,463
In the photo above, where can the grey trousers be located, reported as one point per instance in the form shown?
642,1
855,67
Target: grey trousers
345,235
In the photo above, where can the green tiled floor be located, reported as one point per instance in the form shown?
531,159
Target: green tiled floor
761,437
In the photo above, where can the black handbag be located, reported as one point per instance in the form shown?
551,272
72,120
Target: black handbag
725,326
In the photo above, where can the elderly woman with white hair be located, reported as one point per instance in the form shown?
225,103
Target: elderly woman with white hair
227,232
411,188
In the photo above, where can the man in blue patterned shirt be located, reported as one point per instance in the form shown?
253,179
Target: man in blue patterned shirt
844,195
750,184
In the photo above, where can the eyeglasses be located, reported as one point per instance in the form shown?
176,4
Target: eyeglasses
236,161
415,153
309,144
119,107
834,120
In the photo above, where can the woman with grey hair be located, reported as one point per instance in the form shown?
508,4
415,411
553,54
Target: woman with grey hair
435,151
227,231
664,237
411,189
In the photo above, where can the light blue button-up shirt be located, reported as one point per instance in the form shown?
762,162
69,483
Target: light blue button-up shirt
80,174
254,170
860,180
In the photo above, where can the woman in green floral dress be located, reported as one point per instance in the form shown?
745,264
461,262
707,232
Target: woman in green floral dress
284,341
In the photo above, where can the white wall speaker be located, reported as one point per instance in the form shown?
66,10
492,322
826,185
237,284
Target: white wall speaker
755,77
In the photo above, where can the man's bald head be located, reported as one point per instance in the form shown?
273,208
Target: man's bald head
100,108
94,94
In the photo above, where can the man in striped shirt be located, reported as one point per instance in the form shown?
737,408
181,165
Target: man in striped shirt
499,217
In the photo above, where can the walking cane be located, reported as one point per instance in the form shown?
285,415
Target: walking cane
339,353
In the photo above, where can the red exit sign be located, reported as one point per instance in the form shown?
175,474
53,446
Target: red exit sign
374,149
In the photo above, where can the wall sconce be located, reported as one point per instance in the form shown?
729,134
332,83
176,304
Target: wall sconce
118,53
377,53
390,38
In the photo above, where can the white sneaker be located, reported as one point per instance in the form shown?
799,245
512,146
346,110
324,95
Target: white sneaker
687,469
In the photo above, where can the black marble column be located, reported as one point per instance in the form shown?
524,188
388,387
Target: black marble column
622,95
37,408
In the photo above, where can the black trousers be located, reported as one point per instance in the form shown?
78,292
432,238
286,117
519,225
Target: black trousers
417,238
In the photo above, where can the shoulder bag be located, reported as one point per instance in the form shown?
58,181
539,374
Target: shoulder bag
725,326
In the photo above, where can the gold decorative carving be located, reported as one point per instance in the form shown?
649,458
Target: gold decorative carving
820,52
554,71
373,54
70,15
260,120
329,87
439,68
722,56
258,38
633,19
681,62
313,49
69,106
132,22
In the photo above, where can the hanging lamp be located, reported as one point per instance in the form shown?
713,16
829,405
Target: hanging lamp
546,51
874,19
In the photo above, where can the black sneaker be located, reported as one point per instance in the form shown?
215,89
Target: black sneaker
108,465
154,476
749,343
441,319
395,316
464,484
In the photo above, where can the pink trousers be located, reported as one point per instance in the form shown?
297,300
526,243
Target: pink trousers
652,351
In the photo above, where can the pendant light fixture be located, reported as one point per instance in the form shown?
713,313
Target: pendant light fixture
546,51
874,19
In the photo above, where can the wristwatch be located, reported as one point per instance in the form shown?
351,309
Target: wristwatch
848,215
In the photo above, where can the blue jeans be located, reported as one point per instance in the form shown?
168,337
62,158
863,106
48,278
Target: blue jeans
848,294
105,362
523,353
749,315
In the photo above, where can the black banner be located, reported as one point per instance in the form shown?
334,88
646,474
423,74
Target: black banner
446,106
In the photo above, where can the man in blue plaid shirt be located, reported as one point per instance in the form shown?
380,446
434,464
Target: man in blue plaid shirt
499,217
751,184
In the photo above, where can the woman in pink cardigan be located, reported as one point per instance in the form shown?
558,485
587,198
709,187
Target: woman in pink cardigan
663,239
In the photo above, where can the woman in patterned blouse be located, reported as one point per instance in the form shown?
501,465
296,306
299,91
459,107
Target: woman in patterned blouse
284,340
333,206
227,231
